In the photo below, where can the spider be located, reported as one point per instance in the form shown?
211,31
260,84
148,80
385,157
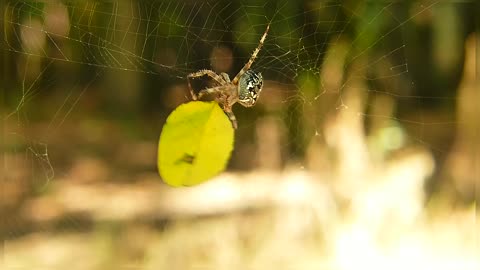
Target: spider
245,87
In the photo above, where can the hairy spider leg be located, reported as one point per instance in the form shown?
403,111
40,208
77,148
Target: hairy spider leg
225,77
227,108
252,58
222,89
231,116
219,79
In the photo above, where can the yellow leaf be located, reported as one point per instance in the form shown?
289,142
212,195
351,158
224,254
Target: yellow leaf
195,144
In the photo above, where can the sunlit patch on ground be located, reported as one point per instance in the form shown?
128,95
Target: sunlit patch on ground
248,221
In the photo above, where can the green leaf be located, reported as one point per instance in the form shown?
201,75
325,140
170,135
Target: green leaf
195,144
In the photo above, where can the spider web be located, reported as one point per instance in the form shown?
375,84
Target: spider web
49,43
171,39
139,37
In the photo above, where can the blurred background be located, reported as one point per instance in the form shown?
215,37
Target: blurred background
363,151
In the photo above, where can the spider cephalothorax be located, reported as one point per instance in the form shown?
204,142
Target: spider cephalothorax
244,88
249,88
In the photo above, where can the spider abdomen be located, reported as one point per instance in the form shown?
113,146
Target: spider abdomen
249,88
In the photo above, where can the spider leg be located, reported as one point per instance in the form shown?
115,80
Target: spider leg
213,90
252,58
225,77
231,116
217,78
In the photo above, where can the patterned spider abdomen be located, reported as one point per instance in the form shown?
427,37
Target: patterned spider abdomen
249,88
